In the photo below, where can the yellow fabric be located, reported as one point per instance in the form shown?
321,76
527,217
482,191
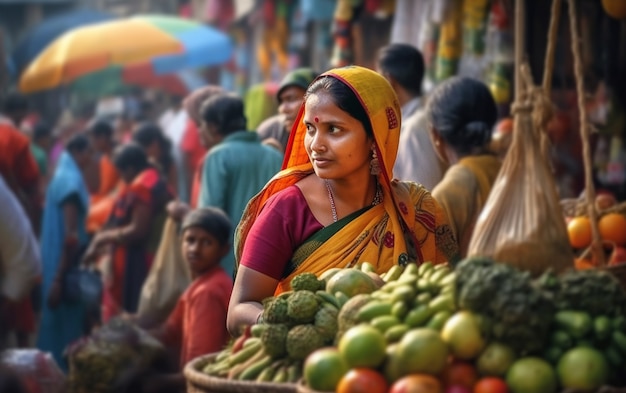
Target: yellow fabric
94,47
463,193
376,236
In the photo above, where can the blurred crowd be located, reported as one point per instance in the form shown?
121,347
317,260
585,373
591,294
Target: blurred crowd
96,190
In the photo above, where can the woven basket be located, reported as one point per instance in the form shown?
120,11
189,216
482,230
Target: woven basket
619,271
302,388
578,207
198,382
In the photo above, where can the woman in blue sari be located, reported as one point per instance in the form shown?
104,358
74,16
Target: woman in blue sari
63,234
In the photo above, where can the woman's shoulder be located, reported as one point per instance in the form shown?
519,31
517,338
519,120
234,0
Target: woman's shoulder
289,197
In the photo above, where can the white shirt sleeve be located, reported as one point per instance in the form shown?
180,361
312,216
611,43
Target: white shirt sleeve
20,260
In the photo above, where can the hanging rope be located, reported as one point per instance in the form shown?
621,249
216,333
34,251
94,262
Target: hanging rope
596,244
555,17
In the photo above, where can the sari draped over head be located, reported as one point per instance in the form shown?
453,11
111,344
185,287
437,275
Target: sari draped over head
62,325
407,227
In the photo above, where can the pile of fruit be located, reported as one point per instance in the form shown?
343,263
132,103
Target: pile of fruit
611,227
483,327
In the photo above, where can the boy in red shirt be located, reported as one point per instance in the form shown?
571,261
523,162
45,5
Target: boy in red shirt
197,325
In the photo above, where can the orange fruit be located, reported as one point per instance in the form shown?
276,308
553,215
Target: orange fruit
612,227
579,232
417,383
363,346
324,368
460,373
491,385
615,8
362,380
583,264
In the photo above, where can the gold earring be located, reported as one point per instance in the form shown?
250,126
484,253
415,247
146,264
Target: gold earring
374,164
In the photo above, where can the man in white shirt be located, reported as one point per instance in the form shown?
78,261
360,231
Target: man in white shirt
403,66
20,261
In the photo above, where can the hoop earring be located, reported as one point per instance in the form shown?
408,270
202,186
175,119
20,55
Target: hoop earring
374,164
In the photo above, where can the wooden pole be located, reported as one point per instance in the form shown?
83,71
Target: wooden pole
520,31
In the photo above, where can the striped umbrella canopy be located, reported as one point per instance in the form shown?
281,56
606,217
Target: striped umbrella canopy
162,44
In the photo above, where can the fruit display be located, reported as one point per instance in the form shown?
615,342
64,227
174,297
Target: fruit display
482,327
110,358
294,324
611,224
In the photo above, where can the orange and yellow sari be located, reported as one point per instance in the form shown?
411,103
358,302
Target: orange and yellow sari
407,227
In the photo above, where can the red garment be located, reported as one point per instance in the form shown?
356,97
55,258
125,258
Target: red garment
20,171
22,316
196,184
131,262
191,146
17,165
198,322
288,213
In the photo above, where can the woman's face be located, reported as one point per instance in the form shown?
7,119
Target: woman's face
85,158
290,102
336,142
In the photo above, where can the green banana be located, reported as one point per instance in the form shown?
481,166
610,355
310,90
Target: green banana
328,298
253,371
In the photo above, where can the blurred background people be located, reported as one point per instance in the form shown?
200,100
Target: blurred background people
462,113
20,267
192,145
237,166
101,201
290,95
403,66
158,149
63,236
132,233
14,109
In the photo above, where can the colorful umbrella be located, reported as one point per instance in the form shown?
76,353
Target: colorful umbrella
50,28
117,80
164,44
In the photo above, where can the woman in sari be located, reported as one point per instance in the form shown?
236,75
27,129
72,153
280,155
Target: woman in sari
63,234
462,114
133,230
335,204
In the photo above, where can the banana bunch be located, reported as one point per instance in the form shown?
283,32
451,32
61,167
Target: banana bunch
252,363
411,297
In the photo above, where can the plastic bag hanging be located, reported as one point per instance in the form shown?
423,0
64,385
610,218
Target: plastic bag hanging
521,223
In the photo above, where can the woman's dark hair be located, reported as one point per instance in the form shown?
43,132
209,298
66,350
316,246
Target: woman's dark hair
463,112
225,111
77,143
130,155
41,130
148,133
210,219
344,98
101,128
404,63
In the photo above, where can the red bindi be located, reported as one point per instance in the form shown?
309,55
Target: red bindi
317,120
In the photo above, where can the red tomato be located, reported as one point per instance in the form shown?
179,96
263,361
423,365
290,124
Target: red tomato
362,380
491,385
460,373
